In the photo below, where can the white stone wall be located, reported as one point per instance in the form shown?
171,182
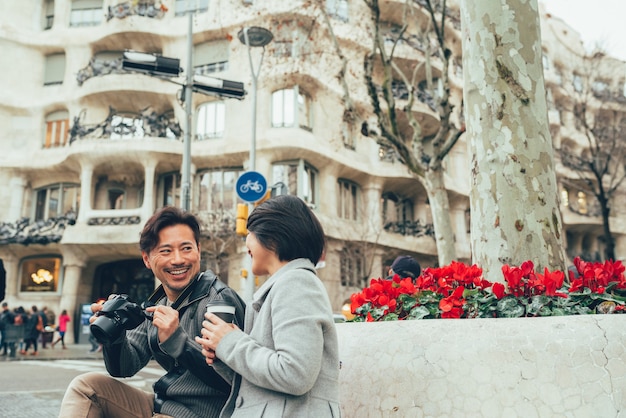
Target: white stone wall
572,366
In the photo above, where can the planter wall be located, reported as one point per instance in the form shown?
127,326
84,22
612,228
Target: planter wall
572,366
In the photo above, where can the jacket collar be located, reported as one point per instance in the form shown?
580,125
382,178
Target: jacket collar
260,295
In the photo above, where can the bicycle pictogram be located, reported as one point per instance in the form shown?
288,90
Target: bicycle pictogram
255,186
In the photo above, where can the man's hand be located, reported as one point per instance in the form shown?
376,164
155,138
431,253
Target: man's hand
165,319
97,307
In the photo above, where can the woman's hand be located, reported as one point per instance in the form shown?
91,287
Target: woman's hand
213,330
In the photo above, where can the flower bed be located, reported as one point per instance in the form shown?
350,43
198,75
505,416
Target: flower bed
460,291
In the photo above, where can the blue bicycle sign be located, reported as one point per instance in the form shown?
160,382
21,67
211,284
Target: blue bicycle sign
251,186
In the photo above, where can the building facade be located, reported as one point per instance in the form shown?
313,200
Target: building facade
91,149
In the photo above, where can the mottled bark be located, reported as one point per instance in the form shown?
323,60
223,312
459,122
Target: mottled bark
514,194
440,206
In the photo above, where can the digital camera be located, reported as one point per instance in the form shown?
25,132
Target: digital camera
117,314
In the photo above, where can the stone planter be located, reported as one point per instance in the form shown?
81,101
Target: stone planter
570,366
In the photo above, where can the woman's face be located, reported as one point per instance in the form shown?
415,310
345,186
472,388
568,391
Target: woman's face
264,261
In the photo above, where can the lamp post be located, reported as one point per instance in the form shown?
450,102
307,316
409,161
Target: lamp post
185,181
253,36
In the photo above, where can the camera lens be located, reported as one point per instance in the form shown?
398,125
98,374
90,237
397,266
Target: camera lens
105,329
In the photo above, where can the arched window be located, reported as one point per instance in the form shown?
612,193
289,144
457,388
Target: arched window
40,274
210,122
217,189
211,57
299,178
56,200
86,13
291,108
55,69
347,200
57,129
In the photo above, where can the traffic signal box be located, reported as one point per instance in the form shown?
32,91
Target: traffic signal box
263,199
242,219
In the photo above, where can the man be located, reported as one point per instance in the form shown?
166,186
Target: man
170,247
6,318
405,266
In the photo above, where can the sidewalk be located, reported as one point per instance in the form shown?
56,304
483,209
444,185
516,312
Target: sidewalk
72,352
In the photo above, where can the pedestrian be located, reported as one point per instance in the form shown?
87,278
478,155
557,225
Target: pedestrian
64,318
170,247
20,318
44,333
6,320
34,327
287,356
404,266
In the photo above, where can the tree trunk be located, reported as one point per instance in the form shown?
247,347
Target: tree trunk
514,194
440,209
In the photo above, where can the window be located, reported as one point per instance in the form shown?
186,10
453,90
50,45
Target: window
291,39
55,69
211,117
291,108
169,189
40,274
86,13
352,267
48,18
56,200
217,190
210,57
348,135
57,129
396,209
299,178
337,9
582,203
183,6
545,61
564,197
116,198
347,201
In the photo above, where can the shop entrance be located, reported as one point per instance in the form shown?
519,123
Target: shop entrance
130,277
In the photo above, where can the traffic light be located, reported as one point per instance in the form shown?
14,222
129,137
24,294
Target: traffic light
242,220
218,87
263,199
151,63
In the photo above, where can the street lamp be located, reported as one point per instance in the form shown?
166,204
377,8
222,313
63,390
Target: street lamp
253,37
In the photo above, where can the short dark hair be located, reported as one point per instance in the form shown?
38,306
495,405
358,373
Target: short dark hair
286,225
162,218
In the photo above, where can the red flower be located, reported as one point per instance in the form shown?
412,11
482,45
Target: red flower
498,290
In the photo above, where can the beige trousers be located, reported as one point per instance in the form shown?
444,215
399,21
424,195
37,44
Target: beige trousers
97,395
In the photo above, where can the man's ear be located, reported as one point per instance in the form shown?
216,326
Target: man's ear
146,259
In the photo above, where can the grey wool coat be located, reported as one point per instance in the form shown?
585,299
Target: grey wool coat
286,359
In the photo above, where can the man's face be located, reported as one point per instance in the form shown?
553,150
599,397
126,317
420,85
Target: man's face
175,261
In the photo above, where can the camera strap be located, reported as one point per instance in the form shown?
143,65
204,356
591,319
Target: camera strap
159,294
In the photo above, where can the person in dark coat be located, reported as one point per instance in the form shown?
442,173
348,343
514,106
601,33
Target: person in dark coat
34,326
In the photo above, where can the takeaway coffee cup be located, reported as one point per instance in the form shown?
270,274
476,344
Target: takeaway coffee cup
225,312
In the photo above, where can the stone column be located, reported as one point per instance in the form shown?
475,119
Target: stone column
11,266
86,192
73,264
17,185
147,208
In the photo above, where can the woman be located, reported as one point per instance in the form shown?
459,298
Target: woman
286,358
64,318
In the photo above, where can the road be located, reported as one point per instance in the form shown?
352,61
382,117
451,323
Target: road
35,388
